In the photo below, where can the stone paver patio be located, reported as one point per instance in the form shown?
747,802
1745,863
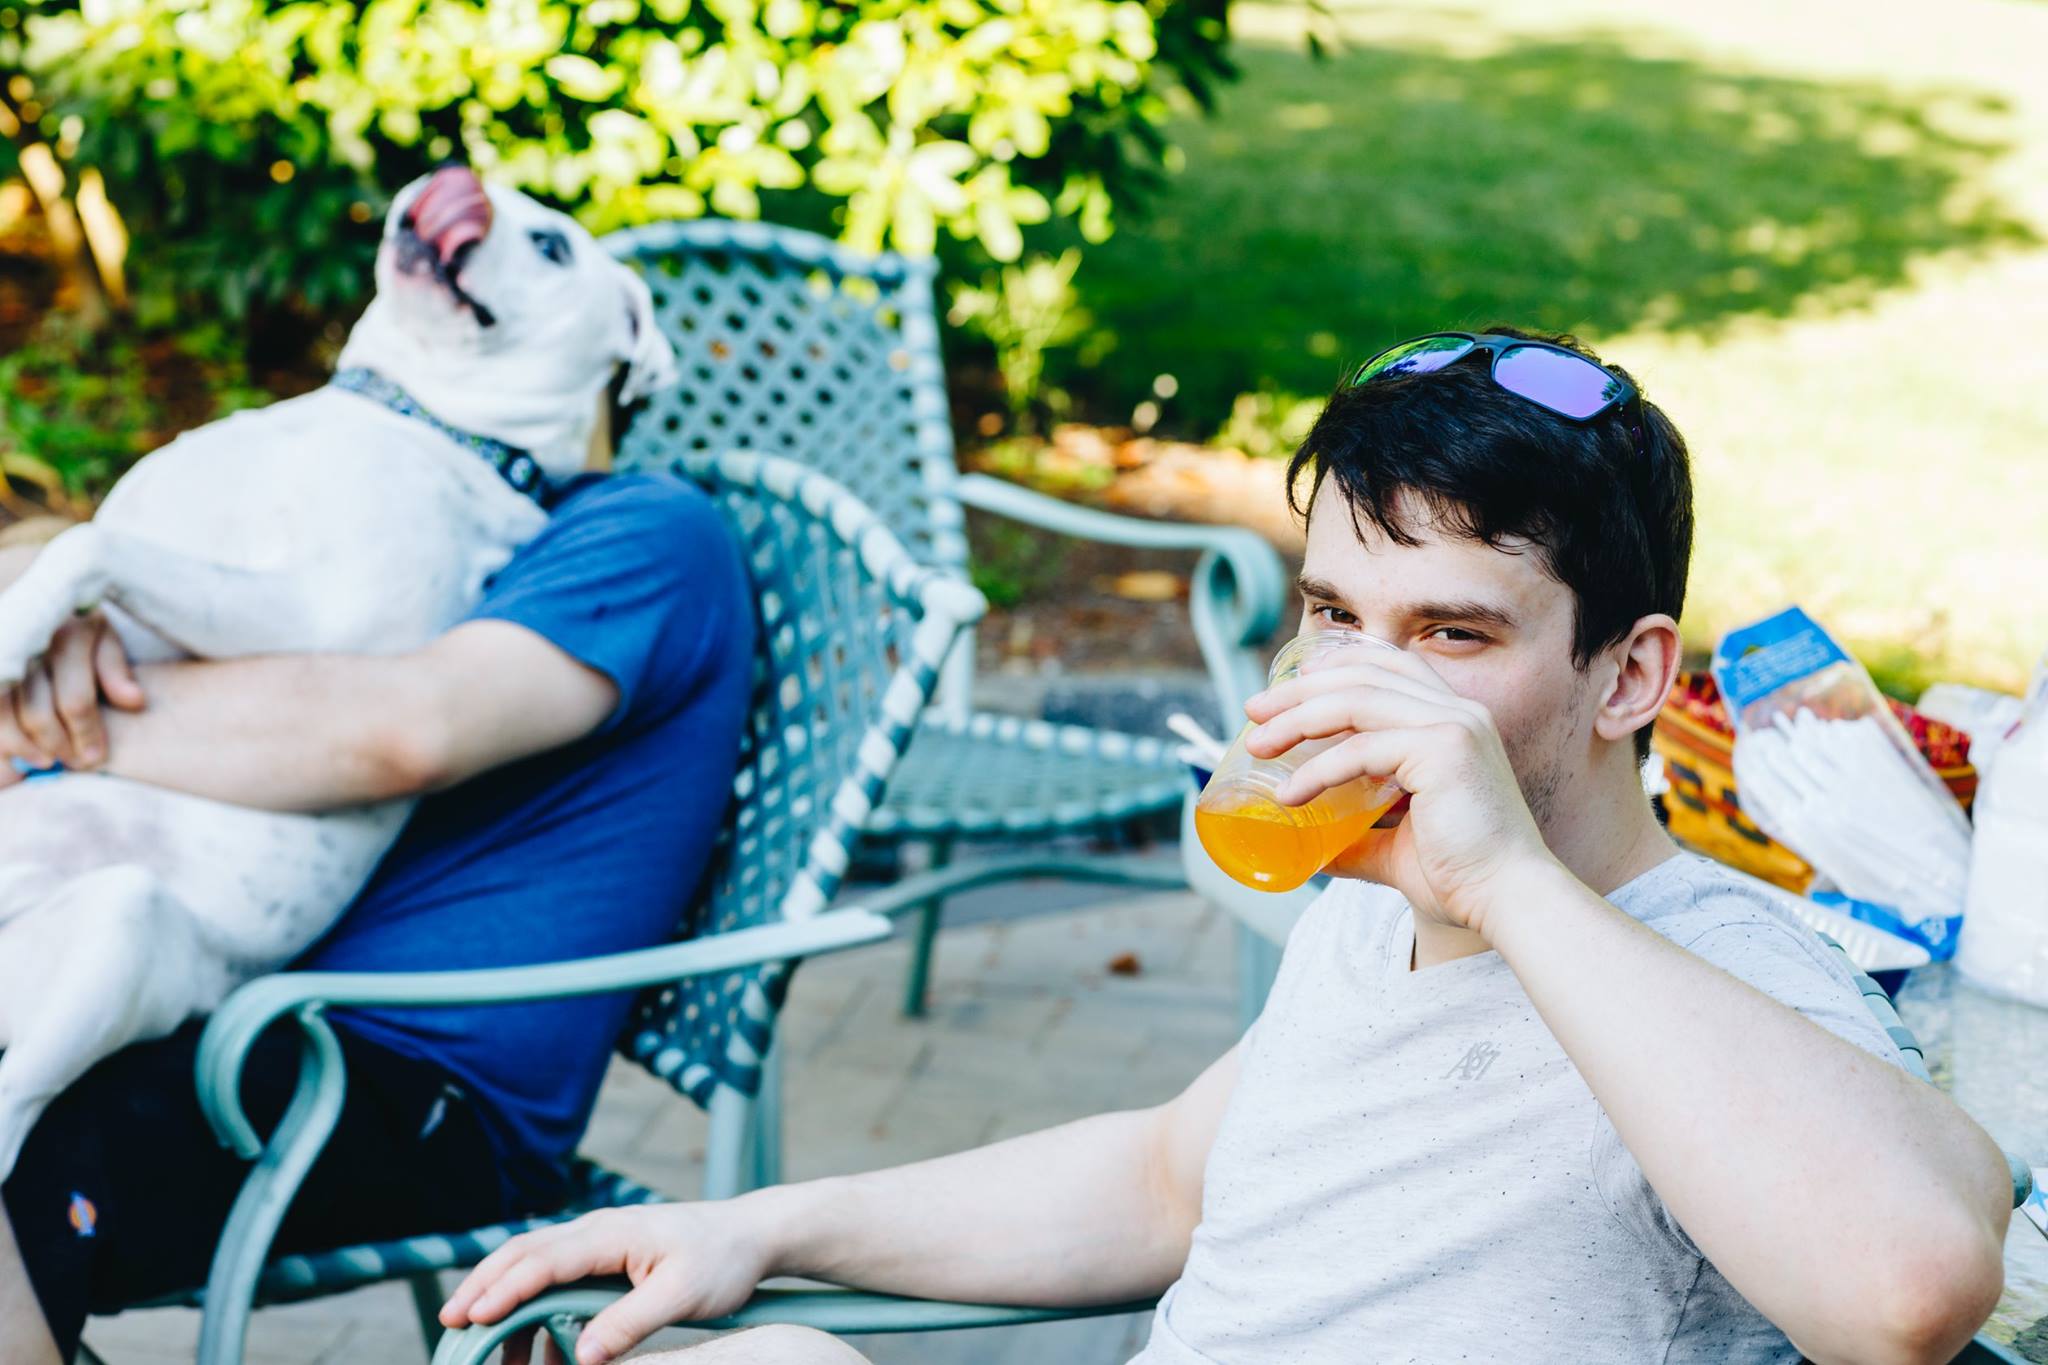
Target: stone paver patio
1028,1028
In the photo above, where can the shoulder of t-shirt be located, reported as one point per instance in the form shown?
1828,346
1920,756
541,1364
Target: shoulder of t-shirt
1347,899
658,523
1345,913
1739,925
1690,896
633,501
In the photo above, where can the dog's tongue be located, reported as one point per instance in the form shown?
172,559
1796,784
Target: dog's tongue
451,213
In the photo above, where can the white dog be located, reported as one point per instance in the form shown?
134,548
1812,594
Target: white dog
360,518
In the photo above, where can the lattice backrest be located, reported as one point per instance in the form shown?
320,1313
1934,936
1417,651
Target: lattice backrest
852,632
794,346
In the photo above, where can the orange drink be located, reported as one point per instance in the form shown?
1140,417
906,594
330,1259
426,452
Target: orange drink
1249,834
1270,847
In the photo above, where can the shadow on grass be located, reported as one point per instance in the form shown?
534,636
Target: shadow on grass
1329,209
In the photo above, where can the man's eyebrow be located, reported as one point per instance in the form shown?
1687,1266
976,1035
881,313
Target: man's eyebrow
1469,612
1318,589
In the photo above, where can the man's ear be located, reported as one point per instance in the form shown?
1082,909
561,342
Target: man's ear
650,361
1646,667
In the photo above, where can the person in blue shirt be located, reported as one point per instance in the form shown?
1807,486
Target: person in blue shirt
575,739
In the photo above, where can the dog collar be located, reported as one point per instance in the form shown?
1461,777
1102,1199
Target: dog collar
515,466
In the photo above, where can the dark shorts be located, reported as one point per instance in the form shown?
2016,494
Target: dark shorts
121,1191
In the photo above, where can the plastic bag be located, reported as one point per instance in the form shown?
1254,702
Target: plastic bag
1823,766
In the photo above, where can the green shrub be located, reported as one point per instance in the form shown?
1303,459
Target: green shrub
249,143
1268,424
1021,312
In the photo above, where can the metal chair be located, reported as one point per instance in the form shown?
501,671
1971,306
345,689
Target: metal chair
561,1313
852,635
793,345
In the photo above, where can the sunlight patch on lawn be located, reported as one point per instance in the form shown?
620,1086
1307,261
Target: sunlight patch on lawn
1819,244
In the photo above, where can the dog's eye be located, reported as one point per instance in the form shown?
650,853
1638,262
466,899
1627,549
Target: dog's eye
551,244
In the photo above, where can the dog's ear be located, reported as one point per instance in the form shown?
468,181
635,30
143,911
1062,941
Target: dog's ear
650,361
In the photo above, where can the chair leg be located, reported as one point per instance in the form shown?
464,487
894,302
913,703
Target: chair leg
916,987
267,1193
764,1134
728,1150
426,1305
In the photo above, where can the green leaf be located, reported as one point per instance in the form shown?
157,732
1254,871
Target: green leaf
581,78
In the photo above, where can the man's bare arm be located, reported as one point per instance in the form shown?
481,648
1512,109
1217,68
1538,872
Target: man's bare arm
1098,1211
315,732
1857,1207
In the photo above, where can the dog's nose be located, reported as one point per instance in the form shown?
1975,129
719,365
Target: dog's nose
451,215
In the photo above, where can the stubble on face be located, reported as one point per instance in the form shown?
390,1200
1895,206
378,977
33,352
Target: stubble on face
1539,764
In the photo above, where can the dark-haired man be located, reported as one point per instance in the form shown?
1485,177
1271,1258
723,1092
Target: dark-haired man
1532,1084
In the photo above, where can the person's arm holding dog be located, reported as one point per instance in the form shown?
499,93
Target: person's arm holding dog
297,732
1856,1207
304,732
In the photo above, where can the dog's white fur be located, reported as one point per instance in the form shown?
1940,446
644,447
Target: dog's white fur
325,523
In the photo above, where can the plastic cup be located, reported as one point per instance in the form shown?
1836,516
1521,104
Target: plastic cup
1239,818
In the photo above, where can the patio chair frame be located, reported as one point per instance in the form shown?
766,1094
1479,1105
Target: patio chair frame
793,344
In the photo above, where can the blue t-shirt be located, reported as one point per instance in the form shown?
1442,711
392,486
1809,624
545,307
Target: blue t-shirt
594,848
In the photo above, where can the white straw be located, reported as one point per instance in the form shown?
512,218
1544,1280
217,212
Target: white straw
1206,745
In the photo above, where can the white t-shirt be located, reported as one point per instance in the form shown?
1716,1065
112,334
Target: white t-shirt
1411,1169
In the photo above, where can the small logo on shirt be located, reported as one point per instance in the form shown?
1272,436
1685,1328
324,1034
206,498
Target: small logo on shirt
85,1219
1475,1062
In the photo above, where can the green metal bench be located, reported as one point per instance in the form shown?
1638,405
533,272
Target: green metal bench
853,633
561,1313
794,345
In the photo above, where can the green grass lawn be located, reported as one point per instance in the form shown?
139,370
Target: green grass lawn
1817,240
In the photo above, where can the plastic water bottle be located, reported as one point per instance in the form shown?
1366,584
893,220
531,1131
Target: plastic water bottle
1239,818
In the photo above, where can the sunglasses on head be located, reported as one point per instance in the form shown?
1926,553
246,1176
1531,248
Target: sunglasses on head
1551,377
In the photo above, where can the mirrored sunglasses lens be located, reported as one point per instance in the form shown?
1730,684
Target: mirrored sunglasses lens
1419,356
1570,385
